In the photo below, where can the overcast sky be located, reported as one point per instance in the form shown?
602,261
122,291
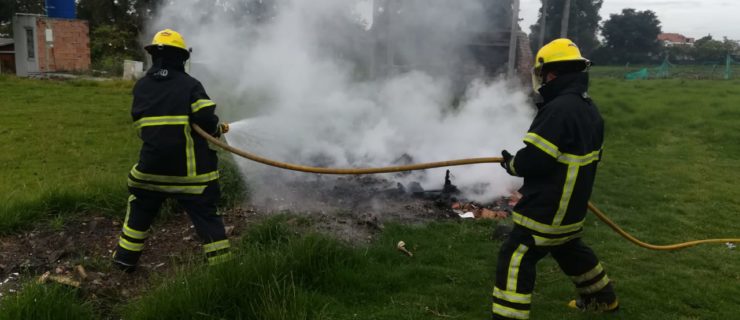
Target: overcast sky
692,18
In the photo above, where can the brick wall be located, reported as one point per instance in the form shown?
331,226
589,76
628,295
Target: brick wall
525,58
71,47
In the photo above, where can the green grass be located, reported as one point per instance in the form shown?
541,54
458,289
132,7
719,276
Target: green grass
282,274
272,278
71,146
669,174
41,302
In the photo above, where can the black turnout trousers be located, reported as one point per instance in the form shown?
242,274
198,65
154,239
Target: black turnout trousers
515,277
143,207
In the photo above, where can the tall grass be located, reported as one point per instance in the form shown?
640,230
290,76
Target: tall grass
234,190
45,302
271,278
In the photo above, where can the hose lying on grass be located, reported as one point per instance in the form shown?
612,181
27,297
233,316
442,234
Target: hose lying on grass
599,214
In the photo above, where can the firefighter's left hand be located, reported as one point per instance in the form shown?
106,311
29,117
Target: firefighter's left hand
506,164
224,128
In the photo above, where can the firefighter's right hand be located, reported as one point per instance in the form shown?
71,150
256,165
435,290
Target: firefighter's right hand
224,128
506,164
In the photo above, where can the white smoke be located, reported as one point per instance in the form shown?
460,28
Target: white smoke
291,96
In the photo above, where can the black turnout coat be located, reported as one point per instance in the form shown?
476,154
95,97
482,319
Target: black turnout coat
558,164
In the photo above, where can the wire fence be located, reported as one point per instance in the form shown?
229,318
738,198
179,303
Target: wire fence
714,70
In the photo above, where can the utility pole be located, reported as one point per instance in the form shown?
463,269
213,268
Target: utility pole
513,38
49,39
542,24
566,20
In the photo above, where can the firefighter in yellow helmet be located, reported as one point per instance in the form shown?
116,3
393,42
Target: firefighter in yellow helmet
558,163
174,162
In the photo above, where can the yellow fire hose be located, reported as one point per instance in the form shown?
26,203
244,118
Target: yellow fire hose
599,214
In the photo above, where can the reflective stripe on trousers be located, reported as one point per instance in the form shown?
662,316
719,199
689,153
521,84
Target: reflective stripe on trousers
512,299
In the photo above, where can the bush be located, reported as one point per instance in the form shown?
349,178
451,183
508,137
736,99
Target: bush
110,45
233,188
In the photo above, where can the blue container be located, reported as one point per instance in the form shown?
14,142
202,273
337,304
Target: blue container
61,9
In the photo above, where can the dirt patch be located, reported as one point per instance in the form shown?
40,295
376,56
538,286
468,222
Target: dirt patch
81,251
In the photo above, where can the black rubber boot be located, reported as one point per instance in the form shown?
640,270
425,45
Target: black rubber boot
594,306
125,260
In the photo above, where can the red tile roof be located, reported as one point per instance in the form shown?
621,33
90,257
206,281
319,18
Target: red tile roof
675,38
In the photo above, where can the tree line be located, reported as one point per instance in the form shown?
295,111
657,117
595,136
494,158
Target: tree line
628,37
117,27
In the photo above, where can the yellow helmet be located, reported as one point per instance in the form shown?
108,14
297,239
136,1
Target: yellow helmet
168,37
559,50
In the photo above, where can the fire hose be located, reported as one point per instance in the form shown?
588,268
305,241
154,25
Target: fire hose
422,166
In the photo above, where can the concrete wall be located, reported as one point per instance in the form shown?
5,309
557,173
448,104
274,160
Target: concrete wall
69,51
24,25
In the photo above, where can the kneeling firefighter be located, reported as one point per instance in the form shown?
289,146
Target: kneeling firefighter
173,162
558,164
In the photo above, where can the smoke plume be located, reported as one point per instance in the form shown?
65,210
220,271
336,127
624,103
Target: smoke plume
293,77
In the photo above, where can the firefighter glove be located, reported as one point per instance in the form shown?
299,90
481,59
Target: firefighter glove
508,162
224,128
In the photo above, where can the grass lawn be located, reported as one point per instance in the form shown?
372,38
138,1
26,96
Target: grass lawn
70,146
670,173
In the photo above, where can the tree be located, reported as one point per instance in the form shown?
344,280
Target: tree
631,36
113,29
680,53
8,8
144,11
5,12
115,26
706,49
582,29
259,11
731,47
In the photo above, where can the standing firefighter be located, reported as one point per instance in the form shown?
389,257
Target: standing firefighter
558,164
174,162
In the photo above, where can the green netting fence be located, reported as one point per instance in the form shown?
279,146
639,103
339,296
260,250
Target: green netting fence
728,67
704,70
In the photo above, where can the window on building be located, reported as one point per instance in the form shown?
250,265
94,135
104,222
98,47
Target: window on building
30,43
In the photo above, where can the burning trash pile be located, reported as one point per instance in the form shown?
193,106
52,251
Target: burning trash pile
499,210
447,196
471,210
356,208
385,197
